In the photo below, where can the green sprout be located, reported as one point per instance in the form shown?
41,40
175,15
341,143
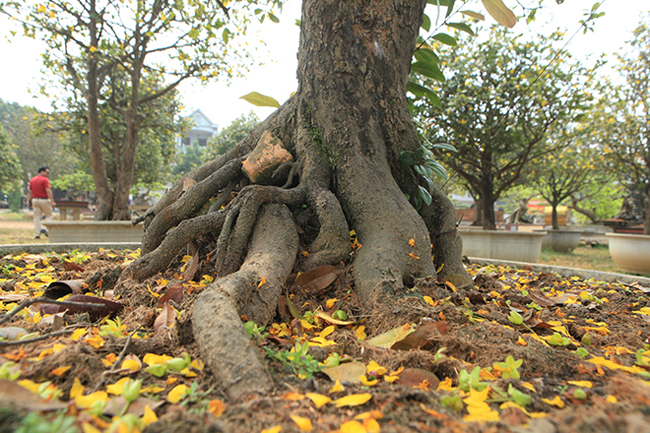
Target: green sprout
509,368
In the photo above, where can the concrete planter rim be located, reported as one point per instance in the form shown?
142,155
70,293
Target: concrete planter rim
628,236
504,232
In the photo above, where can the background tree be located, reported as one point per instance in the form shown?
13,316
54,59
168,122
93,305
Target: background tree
574,166
497,107
190,158
9,164
96,46
625,119
35,146
229,136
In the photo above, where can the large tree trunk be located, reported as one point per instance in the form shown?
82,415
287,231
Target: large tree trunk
345,127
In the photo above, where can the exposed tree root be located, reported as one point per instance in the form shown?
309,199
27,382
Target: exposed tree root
252,291
190,202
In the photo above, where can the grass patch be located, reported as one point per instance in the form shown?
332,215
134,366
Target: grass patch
14,216
595,258
20,237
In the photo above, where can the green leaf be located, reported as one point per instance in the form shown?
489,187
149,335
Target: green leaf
426,55
292,308
421,91
260,100
445,39
444,146
462,26
500,12
424,195
430,70
450,7
274,18
439,169
475,15
426,22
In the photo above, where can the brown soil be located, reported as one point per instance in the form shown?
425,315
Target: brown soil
606,392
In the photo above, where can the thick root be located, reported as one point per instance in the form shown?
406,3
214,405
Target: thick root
189,203
158,260
252,291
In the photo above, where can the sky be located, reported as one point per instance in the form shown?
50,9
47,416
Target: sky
277,76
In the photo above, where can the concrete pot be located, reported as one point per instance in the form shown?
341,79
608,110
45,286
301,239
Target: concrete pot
94,231
503,245
630,252
561,240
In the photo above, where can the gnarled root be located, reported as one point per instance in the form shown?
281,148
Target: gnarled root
189,203
252,291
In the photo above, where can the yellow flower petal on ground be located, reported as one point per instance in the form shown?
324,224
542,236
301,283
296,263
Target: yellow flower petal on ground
446,385
153,359
306,325
60,371
117,388
429,300
275,429
95,341
611,399
391,379
367,382
86,401
176,394
216,407
292,396
152,389
89,428
30,385
529,386
132,364
374,367
77,334
330,303
109,360
487,375
321,342
352,427
327,331
581,383
77,388
337,387
371,425
478,409
353,400
361,333
557,401
171,380
304,424
521,341
187,372
149,417
319,400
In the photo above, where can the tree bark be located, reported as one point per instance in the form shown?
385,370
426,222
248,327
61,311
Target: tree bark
345,126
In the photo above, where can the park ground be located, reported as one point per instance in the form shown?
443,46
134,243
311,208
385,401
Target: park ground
522,352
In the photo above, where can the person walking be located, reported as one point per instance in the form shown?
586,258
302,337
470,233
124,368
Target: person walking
41,199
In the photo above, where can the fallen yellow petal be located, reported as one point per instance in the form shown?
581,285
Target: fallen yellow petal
151,359
304,424
581,383
117,388
149,417
352,427
77,334
60,371
557,401
353,400
77,388
275,429
176,394
446,385
367,382
611,399
337,387
318,399
216,407
86,401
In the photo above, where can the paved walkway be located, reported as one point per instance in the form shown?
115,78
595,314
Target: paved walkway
16,225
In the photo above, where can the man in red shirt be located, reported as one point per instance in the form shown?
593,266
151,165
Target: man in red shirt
41,199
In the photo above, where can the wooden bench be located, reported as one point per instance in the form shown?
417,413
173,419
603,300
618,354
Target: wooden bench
74,207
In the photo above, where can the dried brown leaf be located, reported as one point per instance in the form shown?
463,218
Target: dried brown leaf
317,280
165,319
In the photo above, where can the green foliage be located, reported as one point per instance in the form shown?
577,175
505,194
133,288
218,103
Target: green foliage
471,380
190,159
509,367
521,398
623,114
229,136
301,363
38,423
255,332
9,165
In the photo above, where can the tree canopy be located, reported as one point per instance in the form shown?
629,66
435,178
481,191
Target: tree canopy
497,106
